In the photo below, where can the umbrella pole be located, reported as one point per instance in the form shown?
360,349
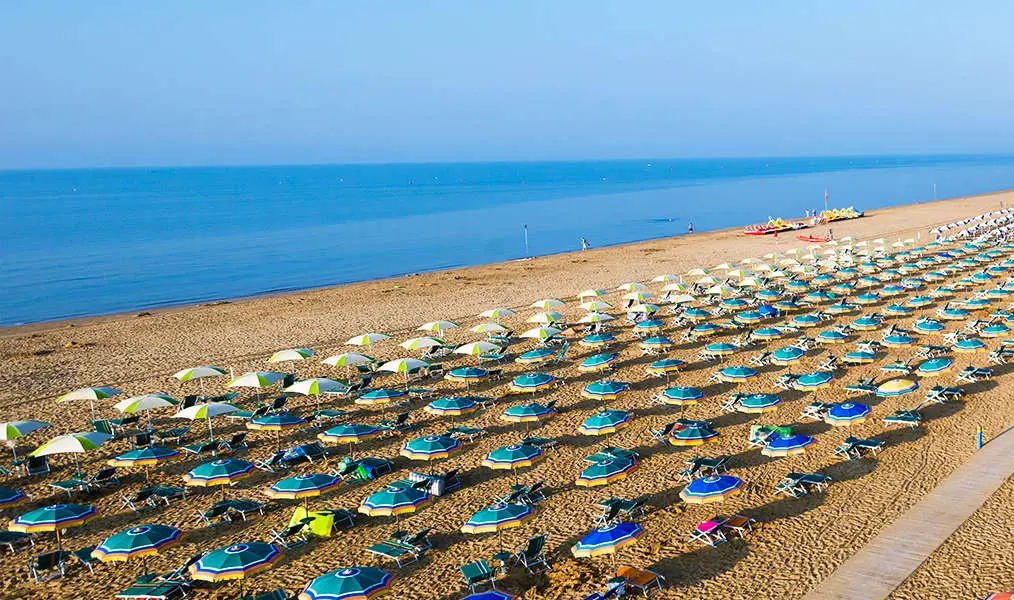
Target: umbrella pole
499,539
92,403
202,394
59,542
77,465
211,432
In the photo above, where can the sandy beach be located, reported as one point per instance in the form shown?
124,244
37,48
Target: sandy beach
797,541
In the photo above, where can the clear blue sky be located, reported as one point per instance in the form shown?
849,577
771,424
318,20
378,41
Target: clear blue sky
103,83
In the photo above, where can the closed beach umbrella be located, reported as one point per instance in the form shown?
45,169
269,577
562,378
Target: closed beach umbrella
789,445
737,374
666,365
11,498
695,435
351,583
934,367
813,381
235,562
73,443
350,433
146,403
606,471
788,355
56,518
144,457
604,389
968,345
605,422
758,403
714,488
452,406
91,394
208,411
137,542
607,540
897,387
847,414
681,396
394,500
532,382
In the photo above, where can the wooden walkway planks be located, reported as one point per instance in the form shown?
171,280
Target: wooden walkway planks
883,564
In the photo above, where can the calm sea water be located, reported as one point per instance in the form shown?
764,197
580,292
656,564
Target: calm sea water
88,242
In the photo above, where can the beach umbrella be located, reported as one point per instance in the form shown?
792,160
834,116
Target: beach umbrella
12,430
351,583
146,403
430,448
536,356
277,422
545,318
290,355
452,406
91,394
638,296
605,422
317,386
367,339
540,333
934,367
681,396
694,435
199,373
787,305
758,403
649,325
666,366
721,349
719,290
143,457
805,320
137,542
591,293
714,488
532,382
546,304
607,540
350,433
513,457
749,317
597,340
767,295
235,562
813,381
737,374
831,336
498,517
868,298
767,333
896,310
467,375
528,413
11,498
696,313
928,326
859,358
604,389
643,308
208,411
596,317
73,443
421,343
477,348
497,313
847,414
437,326
606,471
897,340
220,472
790,445
995,330
381,396
55,518
788,355
819,297
404,366
489,328
897,387
347,359
395,500
598,362
594,306
302,487
256,379
952,314
866,323
968,345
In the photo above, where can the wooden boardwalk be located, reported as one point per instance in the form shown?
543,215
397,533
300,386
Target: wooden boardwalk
883,564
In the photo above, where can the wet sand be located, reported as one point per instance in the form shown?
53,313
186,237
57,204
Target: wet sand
797,542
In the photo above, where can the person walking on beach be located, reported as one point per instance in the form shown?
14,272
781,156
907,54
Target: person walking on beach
690,227
584,244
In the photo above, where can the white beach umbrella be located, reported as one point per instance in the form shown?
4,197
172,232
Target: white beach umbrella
723,267
207,411
631,287
73,443
367,339
540,333
707,280
496,313
683,299
199,373
638,296
547,303
545,317
595,305
12,430
489,328
418,343
698,272
719,290
750,261
595,317
437,326
256,379
749,282
643,308
146,402
477,348
347,359
403,366
772,256
665,278
738,273
315,386
675,287
591,293
290,355
91,394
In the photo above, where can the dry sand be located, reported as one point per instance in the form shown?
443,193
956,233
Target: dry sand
798,542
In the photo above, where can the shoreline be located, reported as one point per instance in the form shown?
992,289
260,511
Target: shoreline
145,312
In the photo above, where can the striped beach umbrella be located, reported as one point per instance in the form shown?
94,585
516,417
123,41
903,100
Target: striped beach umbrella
532,382
541,333
840,308
144,457
995,330
536,356
831,336
381,396
91,394
291,354
315,386
749,317
859,358
528,413
897,387
256,379
348,359
666,365
737,374
10,498
405,366
705,330
497,518
659,342
467,375
12,430
788,355
597,340
607,540
220,472
605,472
866,323
351,583
767,333
817,380
928,326
238,561
952,314
714,488
758,403
479,348
137,542
430,447
394,500
721,349
598,362
302,487
693,436
681,396
847,414
604,389
497,313
350,433
934,367
696,314
207,411
897,340
452,406
546,303
367,339
868,298
733,303
789,445
968,346
275,422
513,457
896,310
918,302
649,325
146,403
422,343
546,318
73,443
605,422
55,518
199,373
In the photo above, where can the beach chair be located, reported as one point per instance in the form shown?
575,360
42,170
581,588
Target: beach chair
273,463
175,434
201,448
533,555
312,453
634,509
48,565
329,415
36,465
342,519
898,367
729,404
546,444
236,442
120,425
532,494
762,359
103,426
141,439
872,346
467,433
610,514
714,465
276,594
155,590
166,494
15,541
216,514
69,486
85,558
661,435
797,485
709,532
815,411
477,573
291,536
691,471
785,381
450,480
246,415
863,387
908,418
244,507
610,453
760,434
855,448
737,525
400,423
139,500
646,582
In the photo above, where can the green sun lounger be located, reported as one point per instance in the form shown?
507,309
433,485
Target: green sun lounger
477,573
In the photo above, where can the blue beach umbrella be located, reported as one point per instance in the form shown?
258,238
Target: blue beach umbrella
737,374
934,367
649,325
779,446
805,321
666,365
897,340
767,333
968,345
535,356
605,389
847,413
598,362
682,396
714,488
607,540
813,381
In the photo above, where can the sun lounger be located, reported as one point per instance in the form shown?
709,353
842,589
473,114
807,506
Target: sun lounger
898,367
36,465
532,494
312,453
797,485
533,555
610,453
829,364
759,434
762,359
467,433
477,573
237,441
908,418
815,411
400,423
709,532
292,536
84,556
244,507
342,518
273,463
201,448
155,590
974,374
941,394
120,425
216,514
647,582
246,415
633,509
139,501
610,513
102,478
863,387
546,444
661,435
175,434
855,448
403,548
167,493
16,540
48,565
785,381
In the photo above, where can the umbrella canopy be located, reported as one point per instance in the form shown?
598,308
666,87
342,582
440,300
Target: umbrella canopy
527,413
541,333
859,358
595,306
813,381
721,349
897,387
477,348
367,339
605,422
467,375
758,403
928,326
348,359
598,339
514,456
223,471
805,320
538,355
497,518
53,518
532,382
91,394
394,500
547,303
682,396
705,329
897,340
598,362
607,540
694,435
606,472
403,365
317,386
867,323
767,333
352,583
145,402
452,406
144,457
545,317
256,379
788,355
350,433
968,345
714,488
76,443
934,367
207,410
787,445
831,336
497,313
996,330
9,498
847,413
649,325
199,373
381,396
419,343
302,486
605,389
275,422
430,447
489,328
737,374
237,561
137,542
291,354
12,430
666,365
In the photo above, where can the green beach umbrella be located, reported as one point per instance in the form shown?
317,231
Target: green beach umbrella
207,410
477,348
351,583
12,430
54,518
91,394
404,366
199,373
73,443
348,360
498,518
145,403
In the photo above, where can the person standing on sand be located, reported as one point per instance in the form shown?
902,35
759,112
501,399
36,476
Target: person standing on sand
584,244
690,227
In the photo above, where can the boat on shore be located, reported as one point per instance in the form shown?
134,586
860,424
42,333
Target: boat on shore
775,225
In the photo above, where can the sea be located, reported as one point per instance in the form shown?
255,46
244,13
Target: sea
97,241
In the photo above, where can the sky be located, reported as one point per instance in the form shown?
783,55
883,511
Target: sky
109,83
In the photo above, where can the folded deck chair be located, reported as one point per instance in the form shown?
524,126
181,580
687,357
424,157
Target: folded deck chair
533,555
647,582
709,532
48,565
477,573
